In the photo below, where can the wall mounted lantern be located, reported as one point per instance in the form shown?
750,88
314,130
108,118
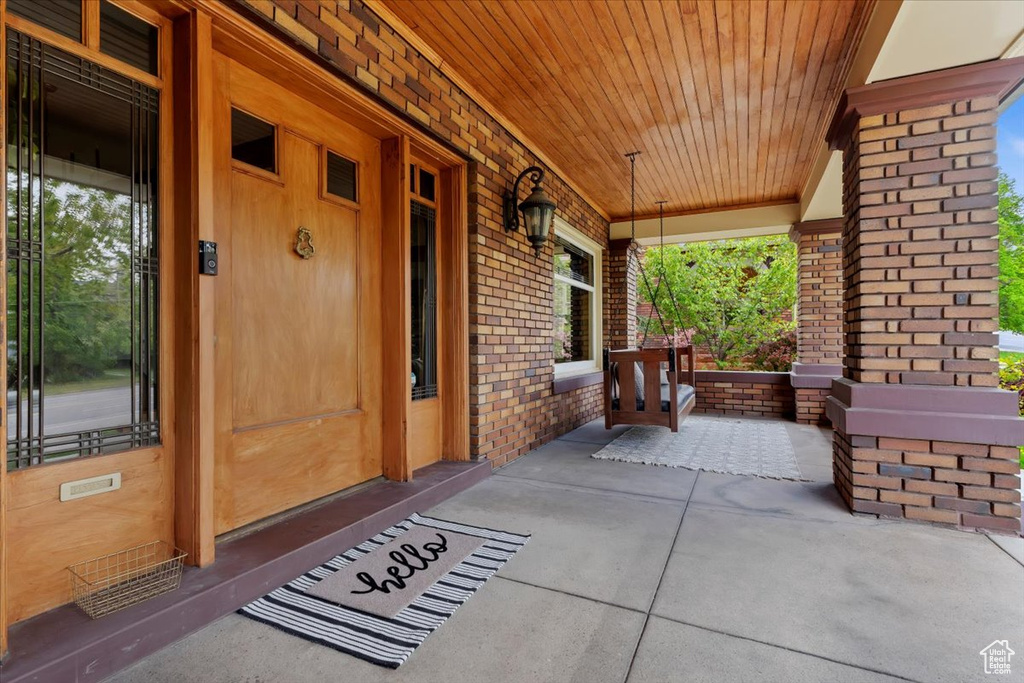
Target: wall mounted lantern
538,209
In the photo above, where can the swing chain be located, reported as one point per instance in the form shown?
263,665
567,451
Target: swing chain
634,252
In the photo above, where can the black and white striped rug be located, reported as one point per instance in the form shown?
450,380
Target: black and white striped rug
379,640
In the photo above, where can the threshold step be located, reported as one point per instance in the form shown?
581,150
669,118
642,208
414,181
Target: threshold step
64,645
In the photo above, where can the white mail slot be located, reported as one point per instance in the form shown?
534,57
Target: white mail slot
90,487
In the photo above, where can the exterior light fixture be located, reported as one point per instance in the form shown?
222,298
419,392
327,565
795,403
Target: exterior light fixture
538,209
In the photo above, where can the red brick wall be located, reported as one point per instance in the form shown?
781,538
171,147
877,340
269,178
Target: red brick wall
968,485
810,405
512,406
621,294
575,408
819,336
920,263
919,192
742,393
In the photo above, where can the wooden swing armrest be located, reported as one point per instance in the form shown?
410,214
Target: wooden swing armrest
691,365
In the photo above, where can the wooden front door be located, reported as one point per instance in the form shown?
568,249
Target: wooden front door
298,316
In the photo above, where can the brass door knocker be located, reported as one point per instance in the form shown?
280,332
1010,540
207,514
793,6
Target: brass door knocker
304,243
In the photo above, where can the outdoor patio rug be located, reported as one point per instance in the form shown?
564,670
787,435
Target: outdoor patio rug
757,448
369,603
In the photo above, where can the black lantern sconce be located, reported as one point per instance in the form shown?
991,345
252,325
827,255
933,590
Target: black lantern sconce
538,209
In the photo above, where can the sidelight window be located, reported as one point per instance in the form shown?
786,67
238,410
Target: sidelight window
82,257
423,237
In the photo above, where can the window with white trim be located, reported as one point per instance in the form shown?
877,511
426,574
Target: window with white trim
576,334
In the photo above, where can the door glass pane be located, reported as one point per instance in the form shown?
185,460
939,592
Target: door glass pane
426,185
424,302
341,177
62,16
126,37
253,141
82,257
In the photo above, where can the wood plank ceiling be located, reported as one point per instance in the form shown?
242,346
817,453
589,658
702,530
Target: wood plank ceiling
727,101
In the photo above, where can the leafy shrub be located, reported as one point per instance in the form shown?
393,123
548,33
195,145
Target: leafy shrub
731,295
1012,377
776,355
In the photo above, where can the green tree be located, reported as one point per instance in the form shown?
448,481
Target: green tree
1011,256
86,309
730,294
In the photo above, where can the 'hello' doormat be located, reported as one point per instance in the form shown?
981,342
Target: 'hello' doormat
380,600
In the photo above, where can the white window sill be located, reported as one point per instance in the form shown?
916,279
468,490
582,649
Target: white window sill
567,370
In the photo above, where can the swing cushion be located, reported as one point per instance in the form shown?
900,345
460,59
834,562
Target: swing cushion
638,383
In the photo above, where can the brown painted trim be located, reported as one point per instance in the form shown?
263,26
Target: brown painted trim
998,78
821,369
811,381
814,375
565,384
956,414
825,226
621,244
964,400
740,377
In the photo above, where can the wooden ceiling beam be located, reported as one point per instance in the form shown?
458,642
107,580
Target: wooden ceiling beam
762,218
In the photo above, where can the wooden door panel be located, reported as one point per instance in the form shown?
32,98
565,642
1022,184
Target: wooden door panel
298,350
286,463
296,354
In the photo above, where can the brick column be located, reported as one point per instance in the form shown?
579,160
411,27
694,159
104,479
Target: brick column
620,295
921,431
819,316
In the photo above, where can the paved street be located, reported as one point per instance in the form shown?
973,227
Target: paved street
79,411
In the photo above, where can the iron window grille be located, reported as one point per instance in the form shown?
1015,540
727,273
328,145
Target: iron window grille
52,89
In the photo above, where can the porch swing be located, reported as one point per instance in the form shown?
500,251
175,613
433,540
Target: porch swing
645,386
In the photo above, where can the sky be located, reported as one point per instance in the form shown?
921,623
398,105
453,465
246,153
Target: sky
1010,142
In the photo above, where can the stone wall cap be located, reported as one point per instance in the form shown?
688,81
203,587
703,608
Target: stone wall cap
993,430
742,377
928,399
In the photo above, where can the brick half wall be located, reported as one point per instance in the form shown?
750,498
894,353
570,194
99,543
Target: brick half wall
810,406
754,394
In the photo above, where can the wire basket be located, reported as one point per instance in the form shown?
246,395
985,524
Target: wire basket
122,579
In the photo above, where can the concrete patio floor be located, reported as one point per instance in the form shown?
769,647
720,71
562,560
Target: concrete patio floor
639,573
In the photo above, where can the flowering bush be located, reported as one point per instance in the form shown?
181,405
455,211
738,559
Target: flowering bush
776,355
563,346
